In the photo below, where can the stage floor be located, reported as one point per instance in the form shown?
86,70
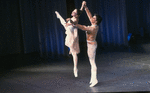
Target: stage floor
118,71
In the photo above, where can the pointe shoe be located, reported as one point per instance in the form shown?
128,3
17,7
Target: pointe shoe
57,14
94,83
76,72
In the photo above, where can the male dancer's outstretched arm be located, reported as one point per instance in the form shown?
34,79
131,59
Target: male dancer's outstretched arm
87,11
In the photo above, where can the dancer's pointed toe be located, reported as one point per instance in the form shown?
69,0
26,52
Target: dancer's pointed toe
76,72
94,83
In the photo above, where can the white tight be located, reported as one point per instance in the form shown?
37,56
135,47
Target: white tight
91,54
75,60
62,21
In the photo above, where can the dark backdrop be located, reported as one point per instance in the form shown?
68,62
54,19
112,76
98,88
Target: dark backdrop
28,26
138,17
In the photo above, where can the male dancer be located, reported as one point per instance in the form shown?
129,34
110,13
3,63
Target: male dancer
91,33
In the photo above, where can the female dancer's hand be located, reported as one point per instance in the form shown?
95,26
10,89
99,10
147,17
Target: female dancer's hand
84,3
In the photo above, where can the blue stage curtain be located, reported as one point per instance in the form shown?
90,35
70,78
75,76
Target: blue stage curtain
41,29
138,16
31,26
113,28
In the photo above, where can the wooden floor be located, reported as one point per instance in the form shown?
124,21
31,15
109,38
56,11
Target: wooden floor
123,70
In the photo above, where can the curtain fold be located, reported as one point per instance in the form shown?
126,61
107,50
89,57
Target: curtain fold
41,29
29,33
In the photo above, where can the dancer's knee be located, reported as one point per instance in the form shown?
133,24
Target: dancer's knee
94,68
91,55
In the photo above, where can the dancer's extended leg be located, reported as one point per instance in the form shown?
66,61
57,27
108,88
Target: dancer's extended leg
62,21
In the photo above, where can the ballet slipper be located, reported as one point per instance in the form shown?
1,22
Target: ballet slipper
94,83
76,72
57,14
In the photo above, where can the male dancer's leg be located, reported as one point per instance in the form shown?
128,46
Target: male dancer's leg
91,55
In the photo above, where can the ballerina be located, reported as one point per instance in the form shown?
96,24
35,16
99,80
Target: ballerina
72,39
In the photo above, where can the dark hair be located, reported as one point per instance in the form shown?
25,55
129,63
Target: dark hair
79,12
98,18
